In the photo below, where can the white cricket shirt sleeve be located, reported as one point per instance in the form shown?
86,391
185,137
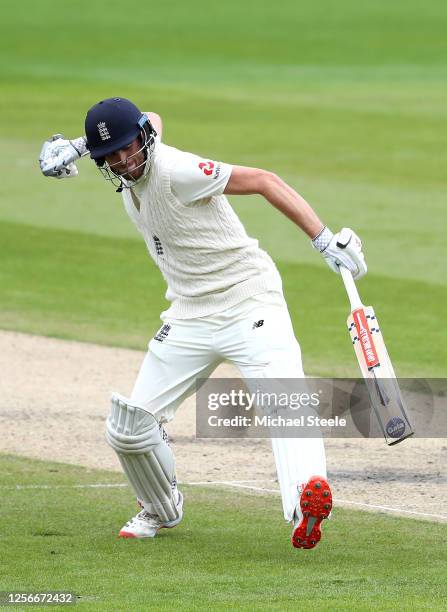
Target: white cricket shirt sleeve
194,178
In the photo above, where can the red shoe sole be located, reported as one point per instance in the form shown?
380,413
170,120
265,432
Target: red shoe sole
315,503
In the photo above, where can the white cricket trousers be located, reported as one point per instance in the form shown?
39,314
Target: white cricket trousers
192,348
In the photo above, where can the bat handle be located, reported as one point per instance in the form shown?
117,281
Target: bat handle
351,288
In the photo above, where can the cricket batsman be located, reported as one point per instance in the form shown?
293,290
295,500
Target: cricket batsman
220,286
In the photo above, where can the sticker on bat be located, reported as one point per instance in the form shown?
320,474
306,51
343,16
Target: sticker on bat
395,428
365,338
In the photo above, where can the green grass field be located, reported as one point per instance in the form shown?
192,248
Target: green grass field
346,102
231,550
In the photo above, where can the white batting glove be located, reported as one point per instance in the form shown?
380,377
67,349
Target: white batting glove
58,155
342,249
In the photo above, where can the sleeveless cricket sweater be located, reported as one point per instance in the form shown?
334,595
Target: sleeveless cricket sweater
202,249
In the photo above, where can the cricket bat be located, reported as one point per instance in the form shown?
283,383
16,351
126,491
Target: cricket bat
375,365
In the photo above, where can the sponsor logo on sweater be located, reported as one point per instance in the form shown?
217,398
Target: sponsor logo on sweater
210,168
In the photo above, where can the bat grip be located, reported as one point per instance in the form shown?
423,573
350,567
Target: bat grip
351,288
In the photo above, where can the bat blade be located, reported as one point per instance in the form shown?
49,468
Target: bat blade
377,370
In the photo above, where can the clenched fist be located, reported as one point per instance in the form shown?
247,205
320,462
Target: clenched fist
342,249
58,155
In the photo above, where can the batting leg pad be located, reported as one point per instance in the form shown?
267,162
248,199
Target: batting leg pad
146,458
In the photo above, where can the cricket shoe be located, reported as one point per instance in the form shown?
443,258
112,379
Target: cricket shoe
147,525
314,505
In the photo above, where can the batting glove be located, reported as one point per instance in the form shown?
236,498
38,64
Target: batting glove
341,249
58,155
